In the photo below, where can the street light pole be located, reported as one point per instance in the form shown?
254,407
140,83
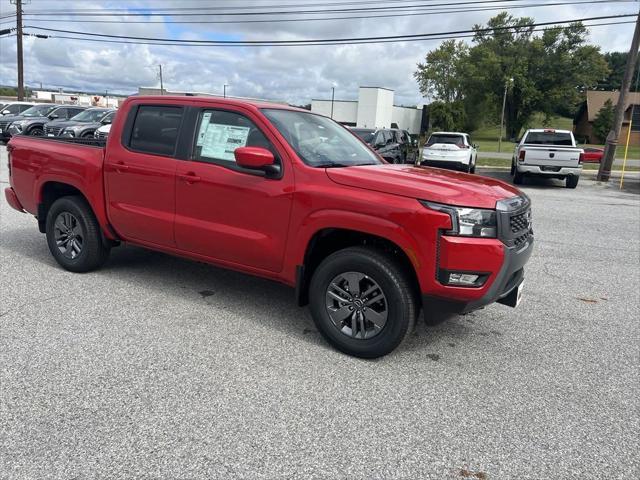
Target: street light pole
333,95
224,90
161,82
504,104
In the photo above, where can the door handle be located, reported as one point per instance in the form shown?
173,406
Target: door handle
121,167
189,178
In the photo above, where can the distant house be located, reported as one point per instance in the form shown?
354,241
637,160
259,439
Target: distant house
583,121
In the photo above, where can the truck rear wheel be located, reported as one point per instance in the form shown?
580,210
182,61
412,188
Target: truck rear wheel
362,302
518,178
572,181
73,235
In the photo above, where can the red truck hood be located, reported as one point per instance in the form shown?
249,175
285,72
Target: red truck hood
433,184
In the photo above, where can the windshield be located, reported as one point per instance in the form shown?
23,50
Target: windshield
39,110
319,141
450,139
549,138
365,135
89,116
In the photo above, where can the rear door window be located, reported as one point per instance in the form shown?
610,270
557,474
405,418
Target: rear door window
155,129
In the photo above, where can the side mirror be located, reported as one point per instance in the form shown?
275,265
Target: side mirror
6,112
53,116
476,146
106,121
256,158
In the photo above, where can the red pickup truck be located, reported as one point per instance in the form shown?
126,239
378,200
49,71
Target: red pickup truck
285,194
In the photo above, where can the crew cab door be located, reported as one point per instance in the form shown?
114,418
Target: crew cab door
227,213
139,172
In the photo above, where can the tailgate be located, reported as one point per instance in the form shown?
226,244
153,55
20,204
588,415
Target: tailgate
551,156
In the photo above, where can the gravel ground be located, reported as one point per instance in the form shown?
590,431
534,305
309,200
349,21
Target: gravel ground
157,367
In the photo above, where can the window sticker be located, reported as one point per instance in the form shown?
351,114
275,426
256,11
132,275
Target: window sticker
203,128
220,141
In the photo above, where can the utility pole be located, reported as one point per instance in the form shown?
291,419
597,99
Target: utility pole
333,95
18,4
161,84
504,104
224,90
612,139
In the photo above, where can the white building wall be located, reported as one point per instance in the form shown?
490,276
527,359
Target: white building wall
407,119
343,111
375,106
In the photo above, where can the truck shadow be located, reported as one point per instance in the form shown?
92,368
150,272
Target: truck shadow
259,301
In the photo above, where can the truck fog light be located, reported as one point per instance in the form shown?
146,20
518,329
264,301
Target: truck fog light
462,279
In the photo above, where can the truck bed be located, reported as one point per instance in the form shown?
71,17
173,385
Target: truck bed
37,161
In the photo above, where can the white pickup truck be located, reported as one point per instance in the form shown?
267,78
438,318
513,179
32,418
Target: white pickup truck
547,153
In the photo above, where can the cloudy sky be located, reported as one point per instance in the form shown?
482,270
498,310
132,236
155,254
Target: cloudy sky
294,74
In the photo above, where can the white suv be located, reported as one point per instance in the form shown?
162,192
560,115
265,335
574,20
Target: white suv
452,150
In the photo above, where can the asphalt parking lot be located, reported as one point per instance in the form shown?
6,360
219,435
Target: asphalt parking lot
158,367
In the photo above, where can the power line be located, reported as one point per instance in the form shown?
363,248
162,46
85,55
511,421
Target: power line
331,41
289,20
217,12
448,37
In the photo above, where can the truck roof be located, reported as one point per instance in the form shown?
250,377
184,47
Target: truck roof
217,100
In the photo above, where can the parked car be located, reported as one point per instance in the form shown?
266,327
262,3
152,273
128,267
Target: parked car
32,121
102,132
284,194
15,108
592,154
452,150
547,153
408,145
382,141
34,111
82,125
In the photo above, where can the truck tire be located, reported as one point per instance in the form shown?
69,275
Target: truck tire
73,235
363,302
518,178
572,181
36,132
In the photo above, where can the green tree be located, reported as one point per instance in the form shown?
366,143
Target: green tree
447,116
616,61
603,121
439,76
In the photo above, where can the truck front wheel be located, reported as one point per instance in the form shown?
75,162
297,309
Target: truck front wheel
362,302
517,177
73,235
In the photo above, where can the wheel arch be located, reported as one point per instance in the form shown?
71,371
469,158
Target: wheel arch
329,240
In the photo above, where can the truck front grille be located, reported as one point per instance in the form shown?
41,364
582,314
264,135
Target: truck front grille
514,221
520,221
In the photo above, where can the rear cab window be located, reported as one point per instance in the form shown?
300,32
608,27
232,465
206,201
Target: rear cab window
560,139
155,129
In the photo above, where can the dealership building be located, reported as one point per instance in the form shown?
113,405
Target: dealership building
373,109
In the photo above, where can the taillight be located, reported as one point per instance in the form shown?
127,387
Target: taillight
581,158
521,155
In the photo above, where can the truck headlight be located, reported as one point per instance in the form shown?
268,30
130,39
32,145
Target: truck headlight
19,124
468,222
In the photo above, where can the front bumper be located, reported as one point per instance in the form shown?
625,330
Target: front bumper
548,170
500,261
13,130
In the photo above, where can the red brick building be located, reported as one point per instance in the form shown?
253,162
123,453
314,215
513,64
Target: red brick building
583,122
